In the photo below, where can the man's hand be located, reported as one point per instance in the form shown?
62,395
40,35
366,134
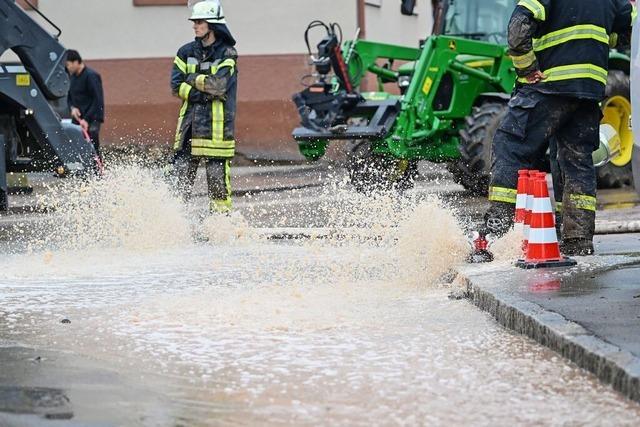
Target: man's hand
84,125
75,113
535,77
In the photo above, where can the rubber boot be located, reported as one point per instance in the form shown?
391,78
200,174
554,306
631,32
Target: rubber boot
559,226
222,206
576,247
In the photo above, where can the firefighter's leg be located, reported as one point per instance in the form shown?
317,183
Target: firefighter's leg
219,185
577,139
185,169
558,183
519,143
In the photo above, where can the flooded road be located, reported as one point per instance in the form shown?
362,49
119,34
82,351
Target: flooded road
239,330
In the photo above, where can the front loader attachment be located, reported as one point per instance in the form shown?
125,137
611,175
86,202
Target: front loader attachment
382,115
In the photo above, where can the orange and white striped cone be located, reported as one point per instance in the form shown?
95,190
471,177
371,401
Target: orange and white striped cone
529,206
521,204
543,250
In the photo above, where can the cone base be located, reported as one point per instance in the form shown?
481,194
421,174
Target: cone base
564,262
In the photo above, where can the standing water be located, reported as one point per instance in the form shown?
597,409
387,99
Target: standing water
230,328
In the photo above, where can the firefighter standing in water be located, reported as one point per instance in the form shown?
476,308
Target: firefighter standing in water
204,76
560,49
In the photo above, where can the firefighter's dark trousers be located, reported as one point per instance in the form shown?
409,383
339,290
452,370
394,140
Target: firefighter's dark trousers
185,167
521,142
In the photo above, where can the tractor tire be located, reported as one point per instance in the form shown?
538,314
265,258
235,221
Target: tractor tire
473,168
610,175
370,172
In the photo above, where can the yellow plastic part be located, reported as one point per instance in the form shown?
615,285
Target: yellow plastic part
617,113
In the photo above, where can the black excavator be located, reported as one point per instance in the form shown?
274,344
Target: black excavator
33,91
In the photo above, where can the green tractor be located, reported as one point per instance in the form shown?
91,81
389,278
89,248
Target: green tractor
441,102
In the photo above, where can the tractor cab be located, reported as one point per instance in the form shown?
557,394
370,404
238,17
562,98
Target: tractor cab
484,20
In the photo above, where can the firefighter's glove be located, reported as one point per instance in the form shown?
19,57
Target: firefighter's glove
213,85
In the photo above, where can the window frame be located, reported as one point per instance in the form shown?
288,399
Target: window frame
138,3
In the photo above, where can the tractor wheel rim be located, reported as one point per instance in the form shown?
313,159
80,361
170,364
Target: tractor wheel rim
617,112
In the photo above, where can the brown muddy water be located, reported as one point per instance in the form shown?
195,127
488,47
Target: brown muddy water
238,330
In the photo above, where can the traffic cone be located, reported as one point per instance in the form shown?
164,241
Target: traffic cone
529,206
521,197
543,250
521,204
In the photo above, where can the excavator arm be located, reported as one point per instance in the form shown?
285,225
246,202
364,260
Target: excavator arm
32,135
39,52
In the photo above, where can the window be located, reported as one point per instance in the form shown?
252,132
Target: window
159,2
25,5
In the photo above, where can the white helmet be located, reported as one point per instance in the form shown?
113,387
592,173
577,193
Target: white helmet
208,10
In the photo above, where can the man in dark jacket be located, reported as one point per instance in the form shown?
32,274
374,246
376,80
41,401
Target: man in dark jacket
560,49
86,99
205,77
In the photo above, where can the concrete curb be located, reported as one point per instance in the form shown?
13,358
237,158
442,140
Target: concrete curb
617,227
612,365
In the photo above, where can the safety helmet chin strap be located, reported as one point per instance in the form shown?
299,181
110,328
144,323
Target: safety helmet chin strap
209,32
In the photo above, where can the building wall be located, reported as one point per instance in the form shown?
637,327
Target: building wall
133,48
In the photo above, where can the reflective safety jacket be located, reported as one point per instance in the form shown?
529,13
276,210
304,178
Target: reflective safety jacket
205,78
568,40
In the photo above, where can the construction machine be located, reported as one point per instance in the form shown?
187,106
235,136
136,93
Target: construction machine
33,137
441,101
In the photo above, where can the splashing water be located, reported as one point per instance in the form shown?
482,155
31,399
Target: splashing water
128,208
133,209
430,243
508,247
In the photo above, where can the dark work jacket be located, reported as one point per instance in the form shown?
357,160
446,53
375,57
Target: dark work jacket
569,41
209,110
86,95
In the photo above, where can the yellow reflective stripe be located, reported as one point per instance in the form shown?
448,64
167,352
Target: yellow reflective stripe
584,202
200,79
217,121
178,139
501,194
182,66
573,71
613,40
576,32
524,61
576,71
184,91
226,63
535,7
208,151
208,143
227,177
191,68
634,14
